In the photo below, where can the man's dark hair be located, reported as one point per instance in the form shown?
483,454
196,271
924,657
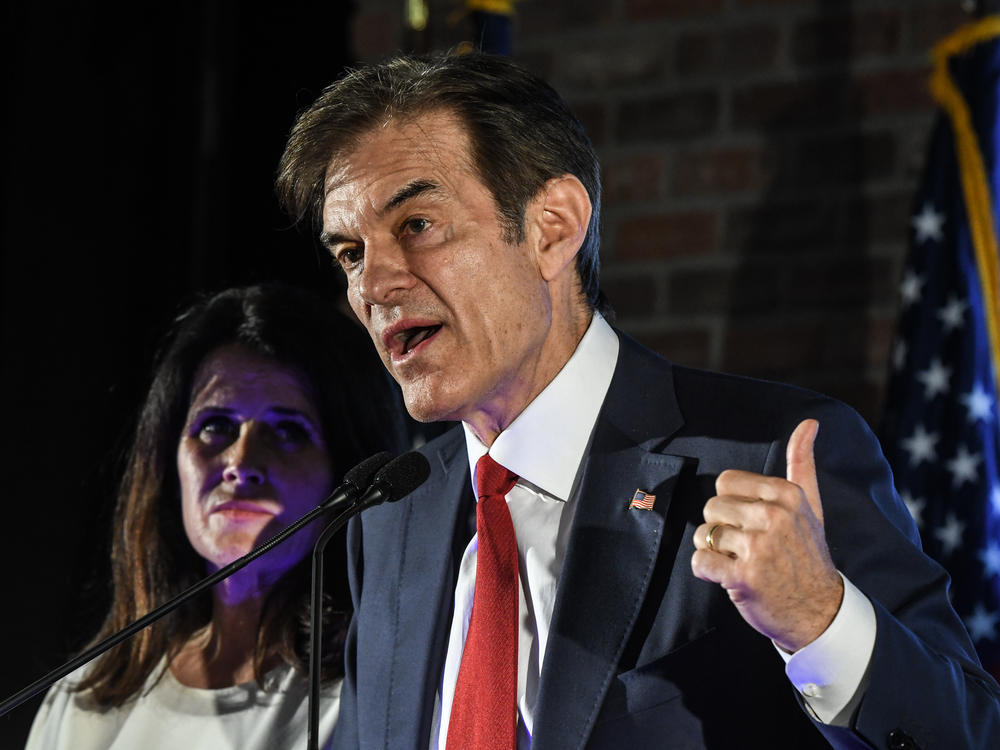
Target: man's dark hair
521,135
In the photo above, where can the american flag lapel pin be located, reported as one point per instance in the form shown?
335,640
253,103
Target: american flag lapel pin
642,499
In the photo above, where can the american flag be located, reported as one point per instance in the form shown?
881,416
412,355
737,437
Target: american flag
642,500
942,427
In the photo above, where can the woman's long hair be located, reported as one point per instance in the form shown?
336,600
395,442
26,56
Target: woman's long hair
151,557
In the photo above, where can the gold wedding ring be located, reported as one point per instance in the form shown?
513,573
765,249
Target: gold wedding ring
709,537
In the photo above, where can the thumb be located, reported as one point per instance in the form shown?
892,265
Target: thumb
801,463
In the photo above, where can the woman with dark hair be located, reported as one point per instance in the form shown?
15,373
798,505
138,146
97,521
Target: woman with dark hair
262,398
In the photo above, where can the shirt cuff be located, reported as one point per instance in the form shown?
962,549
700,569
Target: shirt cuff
831,672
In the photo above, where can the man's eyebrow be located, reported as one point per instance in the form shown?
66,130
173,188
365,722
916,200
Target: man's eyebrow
409,190
330,240
405,193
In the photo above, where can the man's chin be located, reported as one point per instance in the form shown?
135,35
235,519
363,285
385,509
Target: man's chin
422,413
428,407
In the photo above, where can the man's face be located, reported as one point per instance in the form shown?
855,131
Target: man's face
460,317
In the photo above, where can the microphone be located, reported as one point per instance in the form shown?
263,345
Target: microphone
351,490
395,480
357,480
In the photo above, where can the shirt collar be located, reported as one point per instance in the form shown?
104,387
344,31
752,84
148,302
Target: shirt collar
545,444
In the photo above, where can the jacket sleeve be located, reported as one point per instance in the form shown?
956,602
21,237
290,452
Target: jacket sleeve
925,685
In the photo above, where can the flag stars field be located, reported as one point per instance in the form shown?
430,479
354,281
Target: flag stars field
990,558
941,428
978,404
982,624
964,467
928,225
911,288
920,446
952,315
916,507
935,379
950,534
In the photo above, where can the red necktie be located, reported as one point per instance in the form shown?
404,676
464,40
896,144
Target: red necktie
484,712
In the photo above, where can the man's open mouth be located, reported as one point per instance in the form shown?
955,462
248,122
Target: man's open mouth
411,338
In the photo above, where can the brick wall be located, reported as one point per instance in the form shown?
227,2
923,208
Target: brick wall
759,160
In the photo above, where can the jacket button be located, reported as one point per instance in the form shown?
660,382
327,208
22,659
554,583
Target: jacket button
900,740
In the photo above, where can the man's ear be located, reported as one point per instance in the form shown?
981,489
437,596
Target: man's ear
561,214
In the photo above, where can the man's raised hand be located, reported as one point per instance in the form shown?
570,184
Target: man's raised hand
763,542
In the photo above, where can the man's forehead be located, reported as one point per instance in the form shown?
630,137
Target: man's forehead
397,149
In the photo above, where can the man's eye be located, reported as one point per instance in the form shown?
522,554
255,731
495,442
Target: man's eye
416,225
217,429
348,257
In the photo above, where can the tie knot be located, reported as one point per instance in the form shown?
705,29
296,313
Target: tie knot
493,479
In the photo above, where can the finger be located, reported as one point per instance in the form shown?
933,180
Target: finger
749,485
729,509
747,514
800,463
725,539
709,566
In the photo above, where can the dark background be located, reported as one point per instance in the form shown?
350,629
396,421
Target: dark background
139,159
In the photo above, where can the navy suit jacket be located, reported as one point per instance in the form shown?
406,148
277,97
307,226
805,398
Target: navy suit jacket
641,653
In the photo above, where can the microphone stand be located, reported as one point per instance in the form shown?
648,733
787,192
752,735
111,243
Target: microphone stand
316,629
367,469
397,479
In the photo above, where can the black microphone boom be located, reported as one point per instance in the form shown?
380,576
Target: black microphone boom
395,480
350,492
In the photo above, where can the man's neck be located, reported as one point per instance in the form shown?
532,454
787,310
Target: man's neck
491,418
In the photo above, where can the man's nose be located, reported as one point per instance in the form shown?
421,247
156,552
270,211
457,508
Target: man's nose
246,457
386,272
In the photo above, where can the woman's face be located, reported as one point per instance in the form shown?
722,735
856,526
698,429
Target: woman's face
251,460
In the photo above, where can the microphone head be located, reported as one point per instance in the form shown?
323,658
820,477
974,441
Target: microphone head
401,476
362,475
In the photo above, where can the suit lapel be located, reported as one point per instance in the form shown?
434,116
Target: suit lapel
612,550
423,591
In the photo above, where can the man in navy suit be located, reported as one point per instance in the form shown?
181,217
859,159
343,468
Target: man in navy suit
703,561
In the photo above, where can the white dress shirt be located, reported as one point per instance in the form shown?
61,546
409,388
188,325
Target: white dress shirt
545,446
